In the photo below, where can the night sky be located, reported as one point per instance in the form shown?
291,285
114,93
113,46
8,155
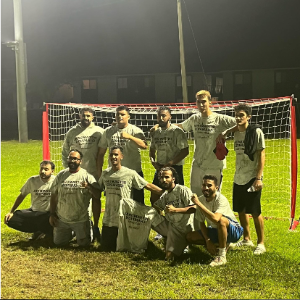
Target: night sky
69,38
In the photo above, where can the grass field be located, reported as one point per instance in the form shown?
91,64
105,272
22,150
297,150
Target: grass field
32,270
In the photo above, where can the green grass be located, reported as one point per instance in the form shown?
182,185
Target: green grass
32,270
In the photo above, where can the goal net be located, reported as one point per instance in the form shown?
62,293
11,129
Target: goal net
275,115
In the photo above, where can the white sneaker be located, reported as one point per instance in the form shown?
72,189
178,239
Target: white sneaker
260,249
218,261
242,243
186,250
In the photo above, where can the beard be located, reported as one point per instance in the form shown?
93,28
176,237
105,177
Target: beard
73,166
85,123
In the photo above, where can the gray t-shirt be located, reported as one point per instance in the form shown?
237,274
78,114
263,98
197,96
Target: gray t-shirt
86,140
131,151
135,221
39,191
179,197
118,185
73,200
168,143
245,168
218,205
206,130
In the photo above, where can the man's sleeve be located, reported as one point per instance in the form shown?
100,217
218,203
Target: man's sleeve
26,188
66,149
227,122
187,195
187,125
222,205
138,133
138,182
181,139
54,186
260,139
92,181
103,141
101,182
199,215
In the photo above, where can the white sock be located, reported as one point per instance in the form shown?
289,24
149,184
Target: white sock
222,252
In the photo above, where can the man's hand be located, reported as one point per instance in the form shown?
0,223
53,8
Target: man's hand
7,217
156,165
155,127
195,199
221,138
170,209
53,220
211,247
125,135
258,185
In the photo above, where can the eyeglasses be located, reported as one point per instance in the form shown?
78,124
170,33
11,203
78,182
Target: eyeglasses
73,158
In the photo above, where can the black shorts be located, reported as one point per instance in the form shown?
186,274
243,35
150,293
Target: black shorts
247,202
109,238
178,169
138,195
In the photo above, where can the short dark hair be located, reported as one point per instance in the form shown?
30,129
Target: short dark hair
163,108
211,177
174,173
245,107
122,107
116,147
76,150
48,162
87,108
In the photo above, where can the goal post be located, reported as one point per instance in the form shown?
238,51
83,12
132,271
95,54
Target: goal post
275,115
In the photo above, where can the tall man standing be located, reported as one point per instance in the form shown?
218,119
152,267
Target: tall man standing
36,218
249,145
206,126
70,197
131,139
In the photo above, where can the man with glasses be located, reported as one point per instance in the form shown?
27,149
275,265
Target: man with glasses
70,196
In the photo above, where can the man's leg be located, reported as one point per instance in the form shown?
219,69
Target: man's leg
259,227
62,233
82,232
109,238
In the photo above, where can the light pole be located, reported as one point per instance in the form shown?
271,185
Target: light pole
18,46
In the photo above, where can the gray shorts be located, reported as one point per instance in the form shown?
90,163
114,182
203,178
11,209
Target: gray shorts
176,241
62,233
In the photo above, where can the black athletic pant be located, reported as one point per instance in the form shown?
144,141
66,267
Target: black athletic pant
109,238
27,220
138,195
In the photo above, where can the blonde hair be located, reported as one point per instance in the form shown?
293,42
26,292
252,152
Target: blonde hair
203,93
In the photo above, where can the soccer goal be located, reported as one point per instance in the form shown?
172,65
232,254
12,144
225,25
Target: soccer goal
275,115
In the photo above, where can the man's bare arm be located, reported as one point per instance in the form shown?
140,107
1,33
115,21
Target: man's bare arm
18,201
100,160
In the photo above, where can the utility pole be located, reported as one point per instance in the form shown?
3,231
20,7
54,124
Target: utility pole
181,48
21,72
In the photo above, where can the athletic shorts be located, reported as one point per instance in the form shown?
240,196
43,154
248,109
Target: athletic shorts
138,195
247,202
178,169
234,232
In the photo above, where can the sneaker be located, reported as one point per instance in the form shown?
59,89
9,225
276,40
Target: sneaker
260,249
186,250
218,261
242,243
37,236
158,237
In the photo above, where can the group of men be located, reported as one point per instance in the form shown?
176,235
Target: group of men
196,215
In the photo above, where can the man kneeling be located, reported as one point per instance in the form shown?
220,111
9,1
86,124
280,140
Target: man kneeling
222,225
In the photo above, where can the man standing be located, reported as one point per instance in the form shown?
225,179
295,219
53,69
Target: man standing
169,145
131,139
222,225
84,136
206,126
118,182
70,196
249,145
178,207
36,218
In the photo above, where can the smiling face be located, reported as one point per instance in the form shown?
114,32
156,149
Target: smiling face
86,118
209,188
115,157
45,172
122,117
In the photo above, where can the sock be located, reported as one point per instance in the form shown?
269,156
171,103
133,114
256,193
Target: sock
222,251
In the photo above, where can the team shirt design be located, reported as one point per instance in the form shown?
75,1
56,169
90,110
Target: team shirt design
131,152
118,185
168,143
135,221
206,130
73,200
39,191
179,197
86,140
246,169
218,205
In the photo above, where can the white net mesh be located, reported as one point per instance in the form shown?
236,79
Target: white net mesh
272,114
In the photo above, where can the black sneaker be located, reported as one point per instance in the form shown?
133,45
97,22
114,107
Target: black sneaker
37,236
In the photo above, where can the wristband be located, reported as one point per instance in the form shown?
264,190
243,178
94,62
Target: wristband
258,178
